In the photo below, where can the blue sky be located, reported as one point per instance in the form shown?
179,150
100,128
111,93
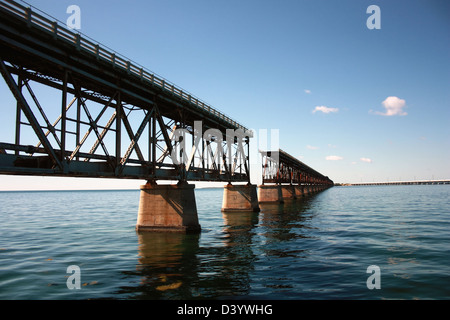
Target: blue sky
353,103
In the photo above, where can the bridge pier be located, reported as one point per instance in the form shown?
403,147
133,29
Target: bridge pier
167,208
240,198
287,191
299,192
270,193
307,189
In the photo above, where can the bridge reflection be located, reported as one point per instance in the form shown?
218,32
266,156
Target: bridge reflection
223,260
175,266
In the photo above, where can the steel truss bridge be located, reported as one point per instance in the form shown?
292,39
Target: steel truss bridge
107,117
280,167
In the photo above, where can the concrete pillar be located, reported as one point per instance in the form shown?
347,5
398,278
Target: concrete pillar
306,189
167,208
287,191
298,191
269,193
240,198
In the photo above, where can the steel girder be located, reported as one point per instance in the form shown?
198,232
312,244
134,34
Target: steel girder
155,148
280,167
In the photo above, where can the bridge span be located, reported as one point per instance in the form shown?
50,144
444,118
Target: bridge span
112,118
397,183
285,177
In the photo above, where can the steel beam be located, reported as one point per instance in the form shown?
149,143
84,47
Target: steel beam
28,113
280,167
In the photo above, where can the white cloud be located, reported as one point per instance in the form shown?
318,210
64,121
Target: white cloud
325,109
333,158
366,160
307,91
394,107
311,147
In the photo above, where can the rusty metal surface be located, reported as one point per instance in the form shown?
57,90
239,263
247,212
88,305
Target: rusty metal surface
280,167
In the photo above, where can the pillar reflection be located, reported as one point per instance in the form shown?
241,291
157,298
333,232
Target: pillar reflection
167,265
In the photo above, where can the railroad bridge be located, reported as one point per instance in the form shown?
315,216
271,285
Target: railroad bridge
285,177
112,118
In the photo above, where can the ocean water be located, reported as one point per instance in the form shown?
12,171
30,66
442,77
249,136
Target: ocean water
317,247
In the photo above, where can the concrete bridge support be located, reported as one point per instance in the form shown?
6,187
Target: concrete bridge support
299,192
240,198
287,192
307,189
167,208
270,194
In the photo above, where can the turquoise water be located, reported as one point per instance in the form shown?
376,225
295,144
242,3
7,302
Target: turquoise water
316,248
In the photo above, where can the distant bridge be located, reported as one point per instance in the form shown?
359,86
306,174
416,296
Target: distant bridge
395,183
285,177
280,167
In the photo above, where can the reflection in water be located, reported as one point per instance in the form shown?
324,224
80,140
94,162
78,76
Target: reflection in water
288,220
239,253
167,265
285,231
175,266
317,247
401,234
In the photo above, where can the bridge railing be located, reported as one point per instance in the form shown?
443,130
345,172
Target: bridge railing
82,43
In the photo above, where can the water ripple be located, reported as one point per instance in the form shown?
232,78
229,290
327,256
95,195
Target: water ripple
318,247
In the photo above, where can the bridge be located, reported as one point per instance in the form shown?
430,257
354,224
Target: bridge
285,177
397,183
112,118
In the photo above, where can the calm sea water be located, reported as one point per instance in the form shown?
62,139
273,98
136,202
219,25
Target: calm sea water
315,248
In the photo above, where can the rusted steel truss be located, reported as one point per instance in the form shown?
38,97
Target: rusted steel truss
81,110
280,167
102,136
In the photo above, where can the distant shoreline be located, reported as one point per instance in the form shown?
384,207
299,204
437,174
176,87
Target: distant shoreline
396,183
